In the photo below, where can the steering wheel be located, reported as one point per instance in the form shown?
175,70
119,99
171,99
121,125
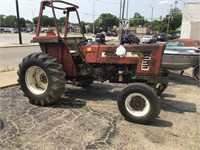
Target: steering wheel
84,42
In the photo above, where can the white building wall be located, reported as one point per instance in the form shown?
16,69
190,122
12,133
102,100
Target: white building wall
191,21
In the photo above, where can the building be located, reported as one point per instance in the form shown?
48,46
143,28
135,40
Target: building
140,30
191,21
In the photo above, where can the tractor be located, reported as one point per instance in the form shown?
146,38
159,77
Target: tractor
70,58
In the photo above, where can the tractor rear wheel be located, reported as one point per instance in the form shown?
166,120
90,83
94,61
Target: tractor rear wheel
195,73
139,103
41,78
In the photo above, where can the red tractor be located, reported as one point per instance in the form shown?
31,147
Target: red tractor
42,76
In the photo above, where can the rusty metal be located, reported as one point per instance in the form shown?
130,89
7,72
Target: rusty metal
144,61
66,25
55,20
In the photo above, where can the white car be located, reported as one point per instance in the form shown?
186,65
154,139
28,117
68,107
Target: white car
149,39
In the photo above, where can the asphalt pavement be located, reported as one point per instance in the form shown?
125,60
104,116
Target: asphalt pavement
89,118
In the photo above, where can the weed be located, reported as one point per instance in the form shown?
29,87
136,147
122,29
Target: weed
6,69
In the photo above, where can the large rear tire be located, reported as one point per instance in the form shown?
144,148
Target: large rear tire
195,73
139,103
41,78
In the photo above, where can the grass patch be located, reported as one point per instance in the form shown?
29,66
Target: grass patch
7,69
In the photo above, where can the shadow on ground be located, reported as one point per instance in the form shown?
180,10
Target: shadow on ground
177,106
183,79
1,124
95,92
161,123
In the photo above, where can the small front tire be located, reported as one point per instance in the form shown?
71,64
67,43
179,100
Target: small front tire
139,103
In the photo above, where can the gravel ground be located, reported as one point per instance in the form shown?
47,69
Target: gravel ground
89,119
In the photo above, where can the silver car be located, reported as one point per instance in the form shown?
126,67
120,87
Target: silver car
178,56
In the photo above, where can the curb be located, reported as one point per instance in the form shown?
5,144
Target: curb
7,86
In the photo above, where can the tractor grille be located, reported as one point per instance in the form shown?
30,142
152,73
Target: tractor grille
145,62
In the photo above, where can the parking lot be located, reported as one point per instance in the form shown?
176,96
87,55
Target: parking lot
88,118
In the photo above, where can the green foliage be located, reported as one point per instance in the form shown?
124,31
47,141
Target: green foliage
83,30
46,21
106,21
22,22
174,20
61,21
137,20
11,21
2,20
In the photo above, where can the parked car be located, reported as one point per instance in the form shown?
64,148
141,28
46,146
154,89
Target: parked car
130,38
162,37
111,33
174,36
100,38
149,39
181,54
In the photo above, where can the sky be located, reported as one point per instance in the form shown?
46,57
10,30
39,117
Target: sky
30,8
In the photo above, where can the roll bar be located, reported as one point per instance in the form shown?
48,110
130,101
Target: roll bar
67,8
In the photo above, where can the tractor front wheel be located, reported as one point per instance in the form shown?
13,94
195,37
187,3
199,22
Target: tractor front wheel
139,103
41,78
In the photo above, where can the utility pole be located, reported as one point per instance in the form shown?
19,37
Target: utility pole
18,22
176,2
151,12
127,8
93,17
151,17
121,19
169,18
123,8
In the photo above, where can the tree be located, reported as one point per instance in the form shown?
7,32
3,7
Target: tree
11,21
137,20
29,24
46,21
2,20
156,25
22,22
61,21
106,21
176,18
83,30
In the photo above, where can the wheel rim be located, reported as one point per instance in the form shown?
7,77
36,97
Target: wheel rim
137,104
36,80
